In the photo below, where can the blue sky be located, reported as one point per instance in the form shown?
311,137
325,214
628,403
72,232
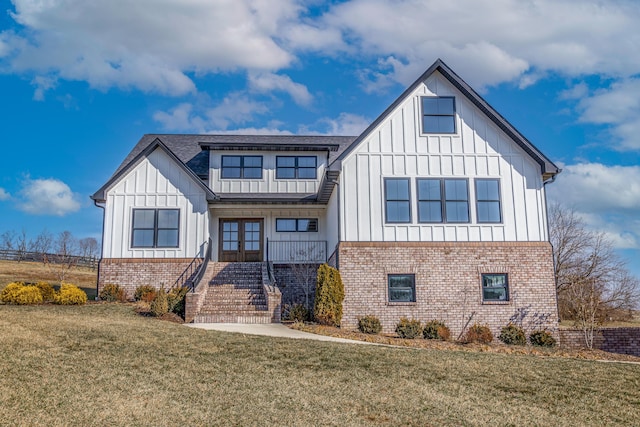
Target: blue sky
83,81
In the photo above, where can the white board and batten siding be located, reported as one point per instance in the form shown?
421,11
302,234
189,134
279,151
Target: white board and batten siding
479,149
268,183
156,182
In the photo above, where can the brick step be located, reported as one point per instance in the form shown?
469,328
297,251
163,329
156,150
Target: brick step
230,309
242,285
233,318
231,301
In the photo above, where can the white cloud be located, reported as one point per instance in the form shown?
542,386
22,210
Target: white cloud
578,91
269,82
606,197
345,124
4,195
47,197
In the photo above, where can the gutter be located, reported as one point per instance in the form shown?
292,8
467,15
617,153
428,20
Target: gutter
104,211
553,258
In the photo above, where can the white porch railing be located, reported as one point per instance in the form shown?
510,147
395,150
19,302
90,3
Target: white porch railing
297,252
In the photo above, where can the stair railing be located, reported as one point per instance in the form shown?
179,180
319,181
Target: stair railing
192,275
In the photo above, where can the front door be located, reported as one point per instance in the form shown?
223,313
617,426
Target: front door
240,240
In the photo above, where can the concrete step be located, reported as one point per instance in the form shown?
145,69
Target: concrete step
233,318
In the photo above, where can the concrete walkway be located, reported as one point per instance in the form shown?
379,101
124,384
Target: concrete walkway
270,330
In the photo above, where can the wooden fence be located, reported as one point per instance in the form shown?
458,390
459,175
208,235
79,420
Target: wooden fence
80,261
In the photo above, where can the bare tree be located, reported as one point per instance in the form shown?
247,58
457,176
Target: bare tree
22,245
305,272
65,256
88,248
591,279
8,240
43,243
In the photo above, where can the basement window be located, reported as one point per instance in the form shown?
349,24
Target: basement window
402,287
495,287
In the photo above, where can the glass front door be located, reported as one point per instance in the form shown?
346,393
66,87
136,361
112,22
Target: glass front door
240,240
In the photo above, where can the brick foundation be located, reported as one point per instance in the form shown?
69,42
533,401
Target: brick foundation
448,282
130,273
613,340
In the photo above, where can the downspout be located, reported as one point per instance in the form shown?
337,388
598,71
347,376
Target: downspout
553,257
337,184
104,211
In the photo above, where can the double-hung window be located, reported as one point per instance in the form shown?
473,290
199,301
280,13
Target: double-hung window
495,287
443,200
438,114
397,200
155,228
296,167
488,200
296,224
402,287
245,167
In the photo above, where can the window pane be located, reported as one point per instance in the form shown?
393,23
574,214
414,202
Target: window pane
307,173
430,124
457,211
285,162
307,162
252,173
398,212
397,189
285,173
494,287
303,225
143,218
429,106
487,190
253,161
283,224
230,172
228,161
429,189
401,295
455,189
488,212
143,238
168,218
445,105
446,124
167,238
429,211
401,288
494,294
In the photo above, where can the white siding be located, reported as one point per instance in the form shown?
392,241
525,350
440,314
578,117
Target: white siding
479,149
156,182
268,183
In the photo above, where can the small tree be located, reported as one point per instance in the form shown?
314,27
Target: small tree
305,274
329,296
65,257
42,244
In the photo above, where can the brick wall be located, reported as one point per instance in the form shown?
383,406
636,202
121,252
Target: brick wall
448,282
290,282
614,340
133,272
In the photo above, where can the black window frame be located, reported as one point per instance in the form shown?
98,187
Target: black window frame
425,115
387,200
498,201
298,228
505,287
155,228
240,167
296,167
412,288
443,201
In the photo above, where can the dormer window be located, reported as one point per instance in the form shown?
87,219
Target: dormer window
296,167
245,167
438,114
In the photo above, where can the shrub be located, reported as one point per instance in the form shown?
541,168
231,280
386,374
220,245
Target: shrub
145,293
436,330
47,291
70,295
513,335
295,312
113,293
28,295
160,304
327,309
10,292
369,324
175,300
479,333
408,328
542,339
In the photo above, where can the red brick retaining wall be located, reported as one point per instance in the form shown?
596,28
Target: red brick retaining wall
448,282
133,272
613,340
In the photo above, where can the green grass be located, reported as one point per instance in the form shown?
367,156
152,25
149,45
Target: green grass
102,365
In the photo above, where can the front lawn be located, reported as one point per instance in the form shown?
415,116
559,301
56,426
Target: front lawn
101,364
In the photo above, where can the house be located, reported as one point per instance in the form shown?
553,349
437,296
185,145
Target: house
436,211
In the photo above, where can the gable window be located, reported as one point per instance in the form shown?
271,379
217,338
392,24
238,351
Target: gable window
443,200
155,228
495,287
397,200
488,200
438,114
296,167
402,287
246,167
296,224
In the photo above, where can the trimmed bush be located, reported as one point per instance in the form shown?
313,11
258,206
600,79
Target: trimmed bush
70,295
369,325
113,293
160,304
542,339
28,295
47,291
436,330
175,300
408,328
327,309
10,292
296,313
513,335
479,333
145,293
